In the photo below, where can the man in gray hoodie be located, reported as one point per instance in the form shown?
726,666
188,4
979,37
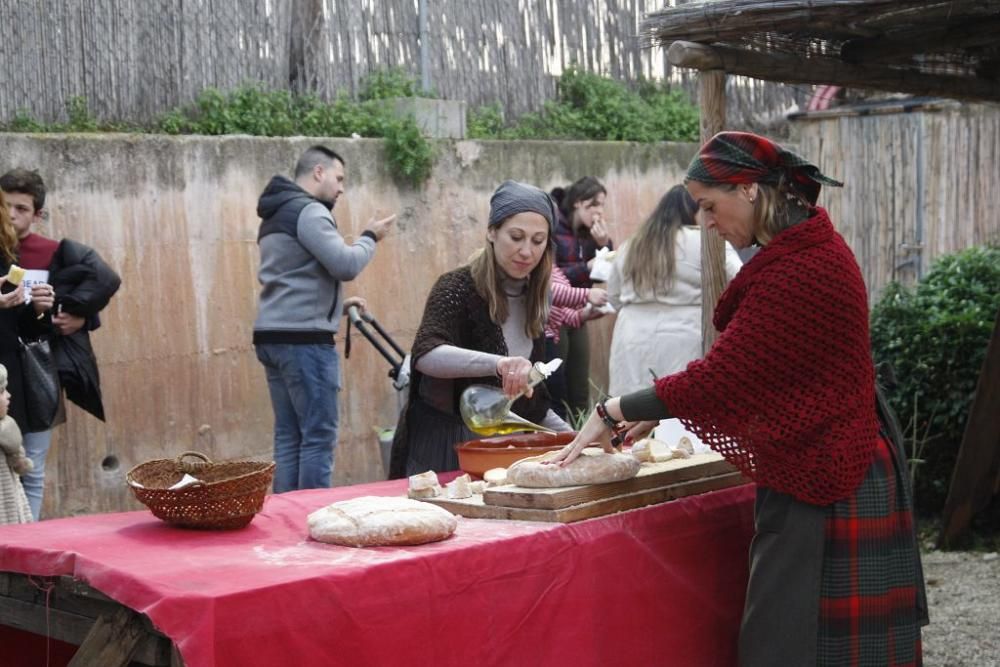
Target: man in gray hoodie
303,261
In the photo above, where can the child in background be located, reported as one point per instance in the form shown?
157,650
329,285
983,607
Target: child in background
13,503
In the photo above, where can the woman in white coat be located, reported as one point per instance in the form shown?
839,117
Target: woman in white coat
655,286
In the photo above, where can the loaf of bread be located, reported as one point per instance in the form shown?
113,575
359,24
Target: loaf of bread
374,521
593,466
15,274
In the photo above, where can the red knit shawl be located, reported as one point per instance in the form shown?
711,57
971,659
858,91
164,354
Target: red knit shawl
787,393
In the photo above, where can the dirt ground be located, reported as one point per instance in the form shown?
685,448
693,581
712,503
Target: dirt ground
963,591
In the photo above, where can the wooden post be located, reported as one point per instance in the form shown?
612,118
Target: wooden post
712,99
977,469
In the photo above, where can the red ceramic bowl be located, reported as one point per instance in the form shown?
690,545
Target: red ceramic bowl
477,456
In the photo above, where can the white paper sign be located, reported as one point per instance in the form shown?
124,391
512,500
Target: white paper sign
33,277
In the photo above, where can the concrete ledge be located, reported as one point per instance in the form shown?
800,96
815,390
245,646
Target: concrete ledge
439,119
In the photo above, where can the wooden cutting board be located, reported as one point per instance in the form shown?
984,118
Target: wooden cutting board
650,476
655,483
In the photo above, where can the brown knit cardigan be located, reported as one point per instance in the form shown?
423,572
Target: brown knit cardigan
456,314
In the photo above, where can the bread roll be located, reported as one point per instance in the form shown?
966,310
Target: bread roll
424,480
495,476
642,450
652,450
424,494
593,466
660,451
372,521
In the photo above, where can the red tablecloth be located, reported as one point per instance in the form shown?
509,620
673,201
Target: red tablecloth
659,585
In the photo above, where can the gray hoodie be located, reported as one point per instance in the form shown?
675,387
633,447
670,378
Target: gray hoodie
303,260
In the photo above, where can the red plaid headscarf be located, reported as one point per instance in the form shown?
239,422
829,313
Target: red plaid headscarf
741,157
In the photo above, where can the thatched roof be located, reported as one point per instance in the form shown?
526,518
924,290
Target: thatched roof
927,47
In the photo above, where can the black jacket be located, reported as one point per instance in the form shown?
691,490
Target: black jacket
84,284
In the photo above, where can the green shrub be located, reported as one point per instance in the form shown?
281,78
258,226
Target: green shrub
255,111
246,110
80,118
391,82
589,106
410,154
24,122
935,337
486,122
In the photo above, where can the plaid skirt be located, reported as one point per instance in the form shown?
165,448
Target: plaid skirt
871,589
840,584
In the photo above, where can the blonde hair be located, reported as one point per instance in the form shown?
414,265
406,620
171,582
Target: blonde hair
775,209
488,282
8,235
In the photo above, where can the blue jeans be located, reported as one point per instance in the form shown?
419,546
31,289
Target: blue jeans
303,381
36,446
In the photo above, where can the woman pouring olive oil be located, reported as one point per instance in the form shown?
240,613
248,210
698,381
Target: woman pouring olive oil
483,324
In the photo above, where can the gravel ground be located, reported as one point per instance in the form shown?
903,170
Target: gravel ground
963,591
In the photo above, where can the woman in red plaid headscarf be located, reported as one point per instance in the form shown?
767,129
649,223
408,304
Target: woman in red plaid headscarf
787,394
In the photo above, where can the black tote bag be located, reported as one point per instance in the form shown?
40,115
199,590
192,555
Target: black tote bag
41,384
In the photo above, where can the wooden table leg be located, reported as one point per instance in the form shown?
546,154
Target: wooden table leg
111,641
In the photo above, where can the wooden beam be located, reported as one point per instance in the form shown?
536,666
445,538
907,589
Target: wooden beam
907,105
112,640
736,20
712,101
925,39
827,70
725,19
977,468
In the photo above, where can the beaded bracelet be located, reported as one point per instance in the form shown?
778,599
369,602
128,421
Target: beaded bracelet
602,412
617,438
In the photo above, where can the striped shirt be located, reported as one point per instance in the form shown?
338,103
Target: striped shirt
568,304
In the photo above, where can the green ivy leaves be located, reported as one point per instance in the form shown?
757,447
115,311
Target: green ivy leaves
590,106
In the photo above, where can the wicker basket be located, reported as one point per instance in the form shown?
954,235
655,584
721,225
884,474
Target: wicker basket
227,496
